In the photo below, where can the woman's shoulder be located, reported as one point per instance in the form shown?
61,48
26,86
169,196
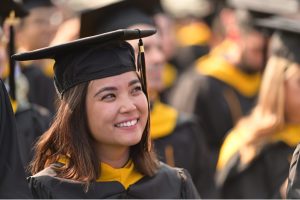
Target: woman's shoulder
46,184
172,179
171,172
40,183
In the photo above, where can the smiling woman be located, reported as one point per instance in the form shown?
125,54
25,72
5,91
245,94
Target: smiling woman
117,113
98,145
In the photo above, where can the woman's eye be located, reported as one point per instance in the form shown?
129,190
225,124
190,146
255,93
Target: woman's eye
108,97
137,89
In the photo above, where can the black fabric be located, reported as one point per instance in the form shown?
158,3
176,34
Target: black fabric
124,18
213,111
286,45
190,152
285,42
32,122
12,182
293,189
262,178
121,14
166,183
90,58
31,4
41,88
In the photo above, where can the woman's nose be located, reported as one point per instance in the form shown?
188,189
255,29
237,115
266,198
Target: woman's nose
127,106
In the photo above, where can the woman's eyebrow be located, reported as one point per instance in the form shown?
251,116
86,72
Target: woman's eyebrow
134,82
105,89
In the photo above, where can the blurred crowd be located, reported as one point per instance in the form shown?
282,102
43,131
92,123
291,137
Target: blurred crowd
223,81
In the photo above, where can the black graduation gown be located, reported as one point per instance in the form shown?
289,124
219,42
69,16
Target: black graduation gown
209,98
41,87
293,189
261,178
190,152
32,122
170,183
213,110
12,178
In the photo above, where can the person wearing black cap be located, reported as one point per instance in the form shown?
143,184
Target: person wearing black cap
98,145
31,120
12,182
36,31
255,157
177,139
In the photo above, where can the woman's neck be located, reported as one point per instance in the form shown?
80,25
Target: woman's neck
115,157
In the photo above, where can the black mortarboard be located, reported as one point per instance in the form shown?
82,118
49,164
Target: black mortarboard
286,39
91,58
6,6
118,15
11,11
31,4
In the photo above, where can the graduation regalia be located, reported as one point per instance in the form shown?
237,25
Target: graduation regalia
12,183
170,183
41,87
219,95
32,121
225,94
178,141
102,56
262,176
38,84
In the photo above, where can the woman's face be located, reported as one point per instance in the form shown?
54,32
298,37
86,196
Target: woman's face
292,94
117,110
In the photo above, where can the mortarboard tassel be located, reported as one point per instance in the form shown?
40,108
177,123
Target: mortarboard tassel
142,70
142,66
11,50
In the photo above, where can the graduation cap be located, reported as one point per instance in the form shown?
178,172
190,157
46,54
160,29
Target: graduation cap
9,5
92,58
116,15
286,38
260,9
31,4
11,11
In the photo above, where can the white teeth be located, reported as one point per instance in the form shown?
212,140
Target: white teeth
127,124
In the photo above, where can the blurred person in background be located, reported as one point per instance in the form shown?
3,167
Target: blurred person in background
35,31
31,119
255,157
13,184
222,86
177,139
185,35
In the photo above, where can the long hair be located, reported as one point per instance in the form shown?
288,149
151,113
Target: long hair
268,116
69,137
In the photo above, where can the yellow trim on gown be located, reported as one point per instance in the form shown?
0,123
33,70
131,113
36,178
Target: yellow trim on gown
290,135
216,66
163,120
126,175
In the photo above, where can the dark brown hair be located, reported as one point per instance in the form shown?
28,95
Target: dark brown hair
69,136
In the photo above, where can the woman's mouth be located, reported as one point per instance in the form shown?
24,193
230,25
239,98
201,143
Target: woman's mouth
127,123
